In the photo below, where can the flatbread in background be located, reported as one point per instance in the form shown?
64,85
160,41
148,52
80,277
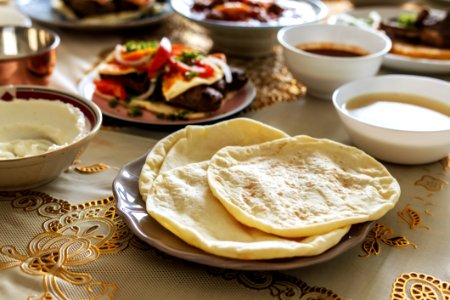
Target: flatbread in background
301,186
197,143
182,202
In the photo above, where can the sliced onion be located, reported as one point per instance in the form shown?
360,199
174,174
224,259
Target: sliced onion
375,16
149,91
118,56
223,65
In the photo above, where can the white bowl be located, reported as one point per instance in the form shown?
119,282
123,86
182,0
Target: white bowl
393,145
323,74
248,39
32,171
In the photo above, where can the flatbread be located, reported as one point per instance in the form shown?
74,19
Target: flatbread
301,186
198,143
181,201
420,51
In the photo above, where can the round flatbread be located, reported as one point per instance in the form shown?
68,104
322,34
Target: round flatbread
182,202
198,143
301,186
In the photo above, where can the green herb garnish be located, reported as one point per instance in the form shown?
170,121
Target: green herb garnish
131,46
113,103
190,75
189,57
407,19
135,111
182,115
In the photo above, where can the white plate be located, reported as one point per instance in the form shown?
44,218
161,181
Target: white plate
398,62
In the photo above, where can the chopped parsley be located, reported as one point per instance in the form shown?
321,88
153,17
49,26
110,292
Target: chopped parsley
189,57
190,75
135,111
407,19
113,103
182,115
131,46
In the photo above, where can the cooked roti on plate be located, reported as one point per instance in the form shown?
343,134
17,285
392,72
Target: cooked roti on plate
182,202
198,143
301,186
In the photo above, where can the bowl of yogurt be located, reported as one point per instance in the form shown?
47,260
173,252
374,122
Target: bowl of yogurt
42,131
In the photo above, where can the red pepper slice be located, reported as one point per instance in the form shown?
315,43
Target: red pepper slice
111,87
161,56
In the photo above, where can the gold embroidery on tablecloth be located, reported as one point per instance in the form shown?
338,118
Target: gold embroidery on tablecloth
411,217
382,233
97,221
280,286
52,255
46,205
419,286
92,168
445,163
432,184
75,235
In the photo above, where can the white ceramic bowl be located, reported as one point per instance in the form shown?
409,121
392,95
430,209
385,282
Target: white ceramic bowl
248,39
32,171
323,74
393,145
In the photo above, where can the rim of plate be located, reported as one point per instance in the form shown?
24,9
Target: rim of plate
182,7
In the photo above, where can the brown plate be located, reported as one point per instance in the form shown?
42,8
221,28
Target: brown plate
132,208
235,102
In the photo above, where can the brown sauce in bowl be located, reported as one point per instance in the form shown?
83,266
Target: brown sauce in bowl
333,49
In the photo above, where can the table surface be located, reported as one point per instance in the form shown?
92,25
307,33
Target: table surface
66,241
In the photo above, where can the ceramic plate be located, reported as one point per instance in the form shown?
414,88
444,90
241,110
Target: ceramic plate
131,206
398,62
41,11
309,10
235,102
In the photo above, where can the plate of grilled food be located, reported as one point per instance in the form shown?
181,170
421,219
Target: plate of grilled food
95,14
420,38
160,83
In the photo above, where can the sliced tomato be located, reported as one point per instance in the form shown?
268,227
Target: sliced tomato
111,87
219,56
207,71
161,56
177,49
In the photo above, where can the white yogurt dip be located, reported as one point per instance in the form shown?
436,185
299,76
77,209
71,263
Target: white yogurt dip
34,127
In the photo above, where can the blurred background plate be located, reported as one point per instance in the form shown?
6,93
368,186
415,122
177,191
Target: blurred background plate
398,62
131,206
251,38
42,11
10,16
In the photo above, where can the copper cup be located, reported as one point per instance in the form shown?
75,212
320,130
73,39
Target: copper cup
27,55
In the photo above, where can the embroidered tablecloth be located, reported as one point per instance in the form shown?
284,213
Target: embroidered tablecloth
66,241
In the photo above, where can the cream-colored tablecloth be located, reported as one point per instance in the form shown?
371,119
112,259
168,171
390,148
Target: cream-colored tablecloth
66,241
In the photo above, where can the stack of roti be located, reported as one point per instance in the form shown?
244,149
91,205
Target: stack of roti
244,190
